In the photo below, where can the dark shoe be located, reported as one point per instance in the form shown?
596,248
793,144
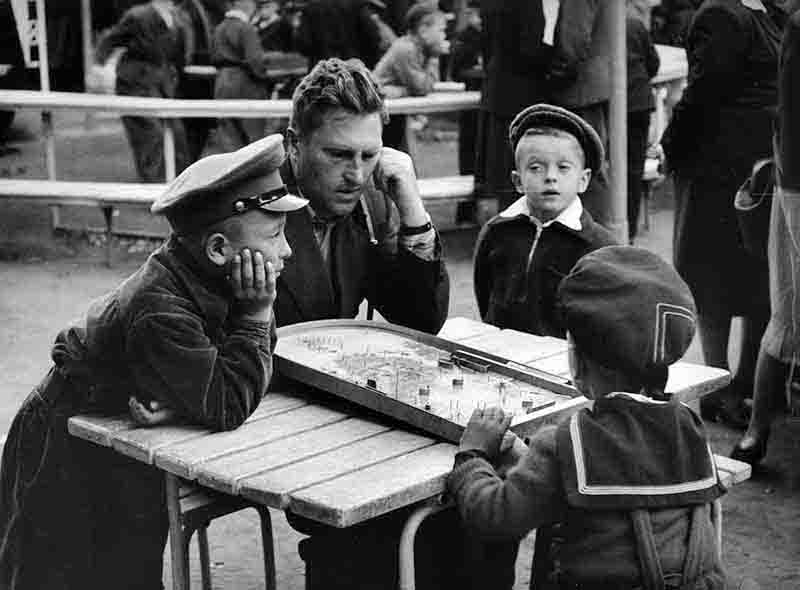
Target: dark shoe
753,454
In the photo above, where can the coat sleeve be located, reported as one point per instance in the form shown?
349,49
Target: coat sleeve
573,40
253,52
120,35
482,271
507,509
715,49
403,287
173,360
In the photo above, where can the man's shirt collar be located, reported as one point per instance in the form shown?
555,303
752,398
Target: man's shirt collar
236,13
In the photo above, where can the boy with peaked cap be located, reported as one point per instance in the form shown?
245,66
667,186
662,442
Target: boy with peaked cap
523,252
631,480
193,328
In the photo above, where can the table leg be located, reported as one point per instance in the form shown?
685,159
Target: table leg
406,556
180,565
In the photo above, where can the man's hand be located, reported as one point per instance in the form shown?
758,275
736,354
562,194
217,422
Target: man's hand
150,414
485,431
253,283
394,175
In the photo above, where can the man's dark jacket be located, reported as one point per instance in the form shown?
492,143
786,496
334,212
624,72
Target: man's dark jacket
74,515
402,287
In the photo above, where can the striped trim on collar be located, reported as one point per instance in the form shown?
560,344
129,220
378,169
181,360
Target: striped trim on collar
610,490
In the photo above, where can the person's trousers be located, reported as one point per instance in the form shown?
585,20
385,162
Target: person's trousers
638,127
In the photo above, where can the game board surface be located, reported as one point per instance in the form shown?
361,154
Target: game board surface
427,381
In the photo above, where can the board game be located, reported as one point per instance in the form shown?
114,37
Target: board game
429,382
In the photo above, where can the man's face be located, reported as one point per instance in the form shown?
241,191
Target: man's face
334,162
261,232
550,173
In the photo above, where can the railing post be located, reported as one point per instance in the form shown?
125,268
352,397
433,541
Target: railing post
169,150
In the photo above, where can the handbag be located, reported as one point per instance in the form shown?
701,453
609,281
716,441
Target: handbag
753,202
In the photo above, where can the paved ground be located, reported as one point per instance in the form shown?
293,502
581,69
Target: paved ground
47,280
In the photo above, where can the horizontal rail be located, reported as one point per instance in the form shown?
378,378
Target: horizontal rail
212,108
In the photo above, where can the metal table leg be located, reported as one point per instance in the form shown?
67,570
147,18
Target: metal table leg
406,556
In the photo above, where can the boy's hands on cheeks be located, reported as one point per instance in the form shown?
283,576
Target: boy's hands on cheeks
254,285
394,175
485,431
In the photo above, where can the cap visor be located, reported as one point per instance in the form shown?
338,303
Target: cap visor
285,204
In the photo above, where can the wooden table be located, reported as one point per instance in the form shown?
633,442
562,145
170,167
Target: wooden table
332,466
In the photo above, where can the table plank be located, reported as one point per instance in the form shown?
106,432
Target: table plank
689,381
99,429
181,457
516,346
225,473
460,329
273,488
376,490
732,471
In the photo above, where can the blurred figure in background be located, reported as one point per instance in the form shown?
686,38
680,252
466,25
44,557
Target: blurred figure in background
643,63
155,40
242,73
515,58
411,65
720,127
274,29
466,65
671,21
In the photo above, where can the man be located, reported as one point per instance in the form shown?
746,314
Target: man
192,330
365,234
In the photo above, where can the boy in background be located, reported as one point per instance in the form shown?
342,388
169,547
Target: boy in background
631,481
523,252
643,64
411,65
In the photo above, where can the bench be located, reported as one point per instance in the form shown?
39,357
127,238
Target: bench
445,198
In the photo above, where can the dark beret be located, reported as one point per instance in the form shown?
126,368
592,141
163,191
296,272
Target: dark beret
628,310
223,185
547,115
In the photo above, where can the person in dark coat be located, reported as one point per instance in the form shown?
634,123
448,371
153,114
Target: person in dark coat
155,41
523,253
241,73
364,236
515,59
190,334
343,29
721,126
580,80
630,511
643,63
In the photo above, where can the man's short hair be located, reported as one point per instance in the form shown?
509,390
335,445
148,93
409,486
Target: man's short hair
421,13
335,84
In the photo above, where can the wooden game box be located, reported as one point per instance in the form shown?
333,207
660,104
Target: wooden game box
428,382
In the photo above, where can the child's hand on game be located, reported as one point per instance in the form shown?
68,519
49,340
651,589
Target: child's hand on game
484,431
151,413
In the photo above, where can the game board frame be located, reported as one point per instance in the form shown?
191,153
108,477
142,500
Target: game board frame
522,425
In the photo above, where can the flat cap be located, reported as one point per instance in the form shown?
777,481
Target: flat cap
223,185
550,116
628,309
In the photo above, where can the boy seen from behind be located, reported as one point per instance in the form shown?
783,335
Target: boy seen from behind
631,481
523,253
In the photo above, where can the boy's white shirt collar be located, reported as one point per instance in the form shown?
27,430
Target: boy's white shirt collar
236,13
569,217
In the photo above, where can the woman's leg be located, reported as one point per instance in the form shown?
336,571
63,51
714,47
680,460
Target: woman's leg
768,401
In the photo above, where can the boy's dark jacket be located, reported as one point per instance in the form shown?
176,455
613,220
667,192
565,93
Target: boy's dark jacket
516,291
166,332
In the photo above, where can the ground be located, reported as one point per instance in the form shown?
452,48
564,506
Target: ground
47,279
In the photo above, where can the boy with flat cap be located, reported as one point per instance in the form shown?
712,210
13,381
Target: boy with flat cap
523,252
192,329
631,480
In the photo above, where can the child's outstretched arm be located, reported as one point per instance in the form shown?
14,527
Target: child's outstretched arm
505,509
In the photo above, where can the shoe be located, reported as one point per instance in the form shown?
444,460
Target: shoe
753,454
